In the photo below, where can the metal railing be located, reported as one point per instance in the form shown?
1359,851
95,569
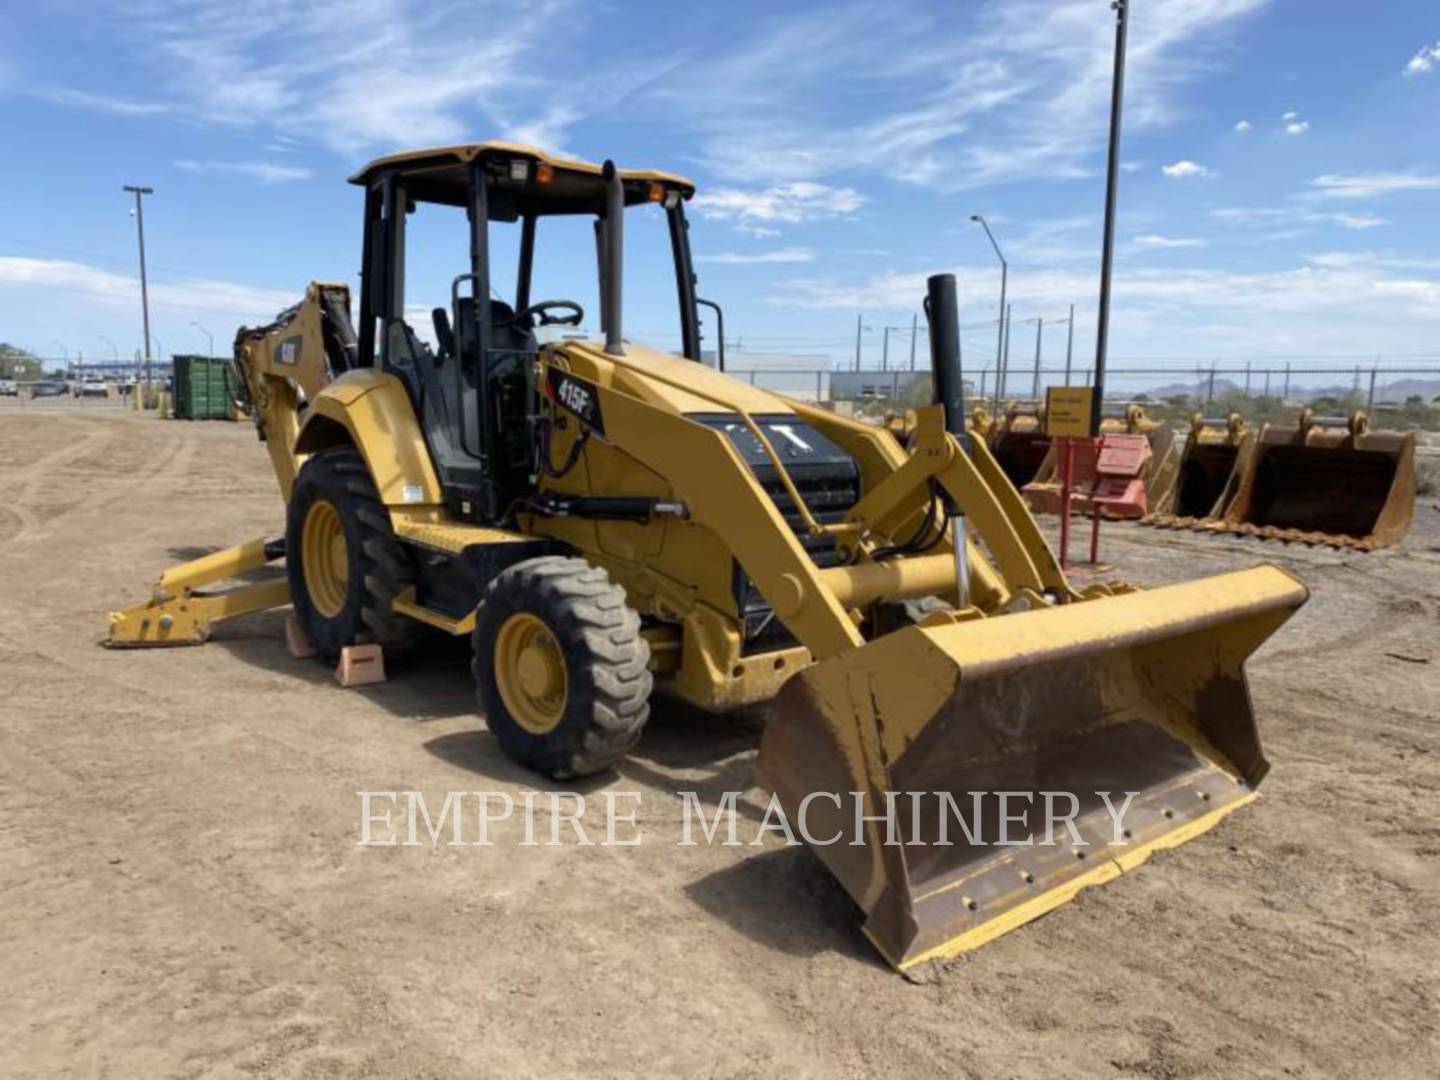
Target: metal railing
1202,383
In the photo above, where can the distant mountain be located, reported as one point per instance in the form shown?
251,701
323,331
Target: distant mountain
1396,391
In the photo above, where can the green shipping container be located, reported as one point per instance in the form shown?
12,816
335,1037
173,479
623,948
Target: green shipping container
203,388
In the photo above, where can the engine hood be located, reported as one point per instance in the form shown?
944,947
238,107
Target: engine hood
668,381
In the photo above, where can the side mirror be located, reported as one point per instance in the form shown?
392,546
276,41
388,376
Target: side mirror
440,319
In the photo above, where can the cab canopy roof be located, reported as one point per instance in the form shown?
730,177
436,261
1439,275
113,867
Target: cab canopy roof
522,179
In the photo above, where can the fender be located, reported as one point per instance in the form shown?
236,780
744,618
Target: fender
370,409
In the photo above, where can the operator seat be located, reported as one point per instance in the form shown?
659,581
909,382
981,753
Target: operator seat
507,334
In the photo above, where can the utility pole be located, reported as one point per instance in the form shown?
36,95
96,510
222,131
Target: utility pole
1069,343
66,352
1285,394
114,349
885,351
139,192
1117,97
1035,384
859,326
1000,323
914,333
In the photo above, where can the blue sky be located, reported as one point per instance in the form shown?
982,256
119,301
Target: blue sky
1281,194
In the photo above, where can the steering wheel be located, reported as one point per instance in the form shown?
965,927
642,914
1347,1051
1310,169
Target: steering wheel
574,317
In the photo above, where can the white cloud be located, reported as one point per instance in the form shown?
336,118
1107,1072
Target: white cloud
1427,292
1371,185
791,203
1156,241
1423,61
1288,215
1243,125
1162,310
745,258
116,106
1292,115
1047,241
1183,168
1297,127
760,232
267,172
970,104
226,298
546,131
1345,259
357,74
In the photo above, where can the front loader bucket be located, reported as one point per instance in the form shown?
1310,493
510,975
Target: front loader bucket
1142,692
1334,487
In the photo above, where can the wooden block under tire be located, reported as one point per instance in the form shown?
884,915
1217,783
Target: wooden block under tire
360,665
297,642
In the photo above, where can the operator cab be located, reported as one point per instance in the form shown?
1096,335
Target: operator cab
475,388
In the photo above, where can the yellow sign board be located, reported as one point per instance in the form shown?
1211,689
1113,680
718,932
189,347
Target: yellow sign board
1067,410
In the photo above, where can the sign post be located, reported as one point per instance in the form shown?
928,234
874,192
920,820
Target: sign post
1067,418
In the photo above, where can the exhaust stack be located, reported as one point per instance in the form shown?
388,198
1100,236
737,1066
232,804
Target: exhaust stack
943,315
614,258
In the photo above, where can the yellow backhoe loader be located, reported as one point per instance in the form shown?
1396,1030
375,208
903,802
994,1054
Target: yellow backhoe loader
1327,480
598,516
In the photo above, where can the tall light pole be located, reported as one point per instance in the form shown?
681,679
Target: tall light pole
114,349
1004,275
1069,342
1004,375
1117,97
207,334
65,351
139,192
914,333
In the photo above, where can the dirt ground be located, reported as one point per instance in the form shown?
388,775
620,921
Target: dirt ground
182,894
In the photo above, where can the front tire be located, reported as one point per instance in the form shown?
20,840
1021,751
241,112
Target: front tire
344,563
561,670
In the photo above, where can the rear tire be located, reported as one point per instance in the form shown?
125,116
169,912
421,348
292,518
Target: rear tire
561,670
344,563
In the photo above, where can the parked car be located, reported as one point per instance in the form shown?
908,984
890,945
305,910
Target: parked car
9,388
91,387
49,388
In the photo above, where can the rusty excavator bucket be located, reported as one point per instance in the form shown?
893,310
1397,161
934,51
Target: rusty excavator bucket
1019,443
968,773
1207,475
1328,481
972,733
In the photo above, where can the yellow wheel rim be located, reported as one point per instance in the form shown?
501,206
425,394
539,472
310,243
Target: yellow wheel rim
325,559
530,673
